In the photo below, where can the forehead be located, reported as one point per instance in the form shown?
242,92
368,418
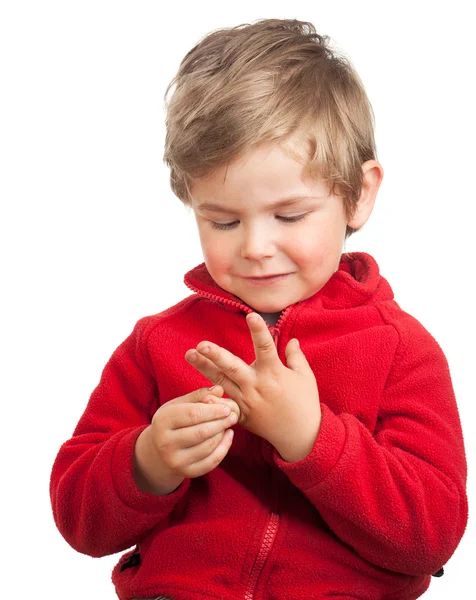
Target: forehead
267,176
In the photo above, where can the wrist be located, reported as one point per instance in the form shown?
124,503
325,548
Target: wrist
150,474
297,448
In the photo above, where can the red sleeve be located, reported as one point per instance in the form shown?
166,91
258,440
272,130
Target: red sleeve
96,503
396,495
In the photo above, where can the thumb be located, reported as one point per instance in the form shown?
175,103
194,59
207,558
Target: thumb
295,357
217,390
199,394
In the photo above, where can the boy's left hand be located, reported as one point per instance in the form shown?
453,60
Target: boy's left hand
278,403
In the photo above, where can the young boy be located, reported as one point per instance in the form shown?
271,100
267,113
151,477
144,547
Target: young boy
346,474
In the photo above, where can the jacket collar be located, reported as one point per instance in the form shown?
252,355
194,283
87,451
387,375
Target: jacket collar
357,281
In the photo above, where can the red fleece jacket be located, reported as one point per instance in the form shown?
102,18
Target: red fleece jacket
376,507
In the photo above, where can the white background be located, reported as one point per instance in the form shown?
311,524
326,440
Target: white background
92,238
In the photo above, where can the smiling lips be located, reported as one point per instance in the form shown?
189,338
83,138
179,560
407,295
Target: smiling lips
267,280
268,276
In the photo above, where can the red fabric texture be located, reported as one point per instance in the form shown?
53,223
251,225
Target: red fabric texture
377,506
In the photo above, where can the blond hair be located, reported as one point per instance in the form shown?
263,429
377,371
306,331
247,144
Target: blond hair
269,81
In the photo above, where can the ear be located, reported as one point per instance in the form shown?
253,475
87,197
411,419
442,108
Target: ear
372,175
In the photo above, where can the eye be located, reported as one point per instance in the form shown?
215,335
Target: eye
233,223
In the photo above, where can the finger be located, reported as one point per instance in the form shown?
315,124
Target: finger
265,349
215,390
213,373
203,460
232,366
226,401
197,395
198,412
196,435
211,366
295,357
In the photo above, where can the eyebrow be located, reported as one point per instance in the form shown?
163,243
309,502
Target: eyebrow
209,206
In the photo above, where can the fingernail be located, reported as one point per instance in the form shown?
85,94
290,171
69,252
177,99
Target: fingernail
211,389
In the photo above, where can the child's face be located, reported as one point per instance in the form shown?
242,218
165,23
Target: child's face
259,242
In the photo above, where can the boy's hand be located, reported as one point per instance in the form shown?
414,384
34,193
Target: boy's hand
188,437
278,403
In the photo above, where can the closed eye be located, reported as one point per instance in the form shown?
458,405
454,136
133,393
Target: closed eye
233,223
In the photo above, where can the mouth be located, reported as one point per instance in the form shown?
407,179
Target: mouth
268,276
269,279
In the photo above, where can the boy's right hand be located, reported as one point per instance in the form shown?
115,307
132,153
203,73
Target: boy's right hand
188,437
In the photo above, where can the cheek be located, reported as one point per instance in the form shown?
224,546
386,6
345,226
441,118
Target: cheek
217,256
325,234
306,244
317,247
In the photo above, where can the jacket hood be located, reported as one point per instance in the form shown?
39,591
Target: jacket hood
357,281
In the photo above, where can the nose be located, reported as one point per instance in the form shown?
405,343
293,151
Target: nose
257,242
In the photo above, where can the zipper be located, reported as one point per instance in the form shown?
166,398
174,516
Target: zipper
274,329
272,527
265,549
274,518
200,292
